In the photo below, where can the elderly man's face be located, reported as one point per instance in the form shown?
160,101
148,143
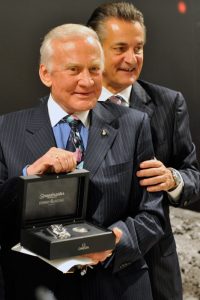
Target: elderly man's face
75,77
123,44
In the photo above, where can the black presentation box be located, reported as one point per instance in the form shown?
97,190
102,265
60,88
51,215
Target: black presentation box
60,202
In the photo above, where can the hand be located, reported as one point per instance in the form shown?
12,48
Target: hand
155,176
56,160
103,255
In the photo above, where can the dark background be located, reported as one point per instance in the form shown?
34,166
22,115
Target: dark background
172,52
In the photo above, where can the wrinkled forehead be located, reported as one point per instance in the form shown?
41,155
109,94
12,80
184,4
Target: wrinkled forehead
73,46
76,52
73,42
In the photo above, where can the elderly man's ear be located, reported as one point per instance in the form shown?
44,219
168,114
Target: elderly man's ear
45,75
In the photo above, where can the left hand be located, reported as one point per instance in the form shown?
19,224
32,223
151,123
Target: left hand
155,176
103,255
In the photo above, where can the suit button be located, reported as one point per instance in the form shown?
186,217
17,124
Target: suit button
124,265
185,203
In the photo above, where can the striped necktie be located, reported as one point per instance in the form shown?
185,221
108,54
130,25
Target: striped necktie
75,143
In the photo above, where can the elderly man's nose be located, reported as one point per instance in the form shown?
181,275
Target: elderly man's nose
86,79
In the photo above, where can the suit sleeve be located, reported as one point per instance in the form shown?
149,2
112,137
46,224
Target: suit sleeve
7,186
9,201
184,156
144,225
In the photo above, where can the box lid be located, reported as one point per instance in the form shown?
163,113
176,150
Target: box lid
54,198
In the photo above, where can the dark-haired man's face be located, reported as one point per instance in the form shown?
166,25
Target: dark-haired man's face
123,45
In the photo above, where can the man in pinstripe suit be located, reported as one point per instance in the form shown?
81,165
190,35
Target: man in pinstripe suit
116,140
120,27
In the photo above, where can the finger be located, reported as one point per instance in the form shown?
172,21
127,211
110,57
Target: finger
63,163
94,262
153,163
68,161
151,172
71,163
57,167
105,255
63,159
57,161
98,256
108,253
153,180
157,188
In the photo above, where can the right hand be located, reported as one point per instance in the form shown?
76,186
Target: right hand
155,176
55,160
103,255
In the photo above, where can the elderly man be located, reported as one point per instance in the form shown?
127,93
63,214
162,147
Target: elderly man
109,141
120,27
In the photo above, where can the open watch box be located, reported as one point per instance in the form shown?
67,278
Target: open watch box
53,217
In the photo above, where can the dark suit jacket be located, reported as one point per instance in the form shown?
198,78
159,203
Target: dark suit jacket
173,146
2,288
115,197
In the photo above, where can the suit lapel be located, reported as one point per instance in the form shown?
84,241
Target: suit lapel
39,135
39,132
140,100
101,136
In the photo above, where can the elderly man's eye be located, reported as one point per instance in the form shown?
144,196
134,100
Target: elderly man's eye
95,69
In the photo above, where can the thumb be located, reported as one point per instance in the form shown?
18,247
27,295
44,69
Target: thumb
118,234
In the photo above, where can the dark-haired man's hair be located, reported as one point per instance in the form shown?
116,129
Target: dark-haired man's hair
120,10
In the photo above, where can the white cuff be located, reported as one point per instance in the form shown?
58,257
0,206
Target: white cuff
175,194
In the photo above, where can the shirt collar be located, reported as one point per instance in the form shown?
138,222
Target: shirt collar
57,113
125,94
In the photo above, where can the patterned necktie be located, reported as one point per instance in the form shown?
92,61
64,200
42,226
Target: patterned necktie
75,143
116,99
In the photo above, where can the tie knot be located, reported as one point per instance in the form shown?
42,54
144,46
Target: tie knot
72,120
116,99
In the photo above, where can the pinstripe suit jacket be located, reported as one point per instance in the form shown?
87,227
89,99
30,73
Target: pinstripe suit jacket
115,197
173,146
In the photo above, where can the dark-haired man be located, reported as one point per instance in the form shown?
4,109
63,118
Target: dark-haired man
120,27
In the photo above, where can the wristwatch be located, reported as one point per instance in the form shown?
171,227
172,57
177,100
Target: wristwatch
176,176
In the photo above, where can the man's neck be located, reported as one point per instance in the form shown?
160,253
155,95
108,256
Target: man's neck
125,94
56,112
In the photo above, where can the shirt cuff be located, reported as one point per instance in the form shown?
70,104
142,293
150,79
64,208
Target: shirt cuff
176,193
24,171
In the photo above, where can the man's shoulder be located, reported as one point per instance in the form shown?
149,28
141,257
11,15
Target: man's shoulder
120,112
160,95
156,88
22,114
15,117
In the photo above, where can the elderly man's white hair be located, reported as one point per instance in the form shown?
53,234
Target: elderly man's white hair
61,32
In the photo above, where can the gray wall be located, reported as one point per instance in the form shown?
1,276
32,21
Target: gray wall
23,23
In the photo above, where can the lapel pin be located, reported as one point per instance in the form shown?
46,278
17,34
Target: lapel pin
104,132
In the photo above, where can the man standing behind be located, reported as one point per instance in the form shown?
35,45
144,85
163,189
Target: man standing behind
120,27
109,140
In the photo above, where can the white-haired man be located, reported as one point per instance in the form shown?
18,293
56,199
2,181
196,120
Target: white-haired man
112,142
